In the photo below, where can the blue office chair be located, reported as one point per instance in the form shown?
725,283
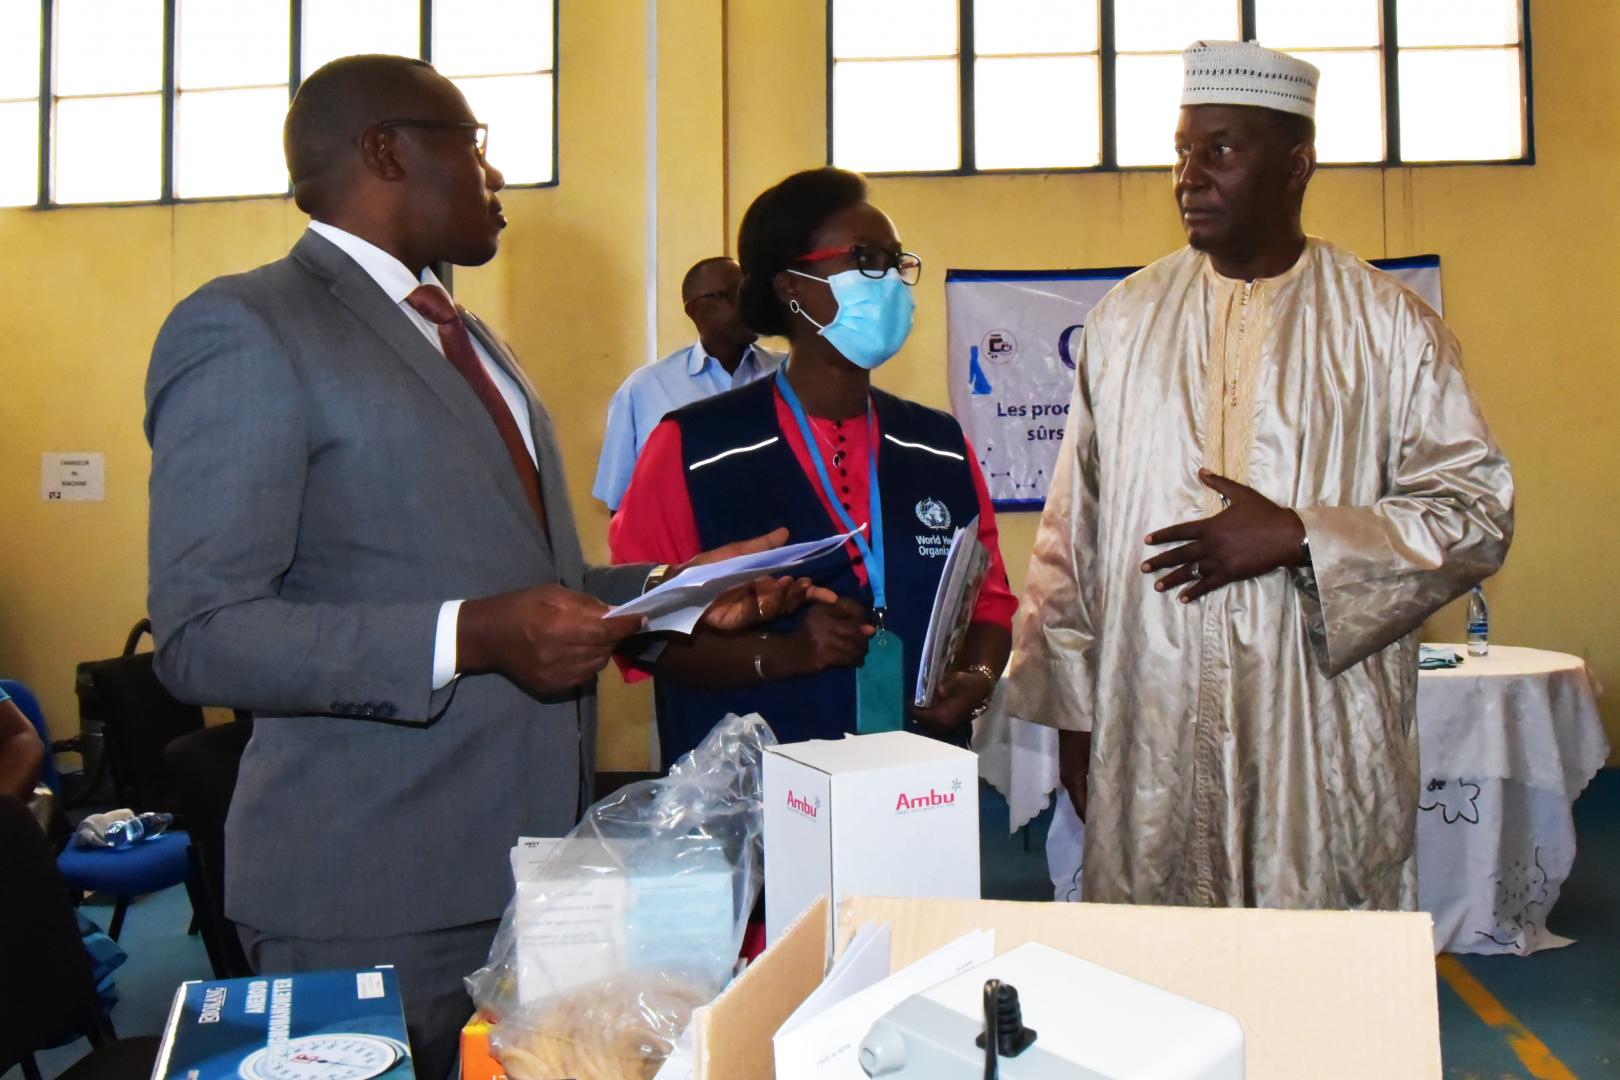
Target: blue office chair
46,981
148,867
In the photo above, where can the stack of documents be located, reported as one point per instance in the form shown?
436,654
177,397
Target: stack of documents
822,1039
954,600
680,602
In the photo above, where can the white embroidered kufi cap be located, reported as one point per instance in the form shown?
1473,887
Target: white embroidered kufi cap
1243,73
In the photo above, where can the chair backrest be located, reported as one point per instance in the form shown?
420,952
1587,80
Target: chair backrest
46,990
202,767
29,705
139,718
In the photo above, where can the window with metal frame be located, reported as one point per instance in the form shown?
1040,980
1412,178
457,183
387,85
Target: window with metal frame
1061,85
502,56
231,74
20,45
107,98
133,101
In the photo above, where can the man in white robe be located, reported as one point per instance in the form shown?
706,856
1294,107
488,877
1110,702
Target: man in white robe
1273,472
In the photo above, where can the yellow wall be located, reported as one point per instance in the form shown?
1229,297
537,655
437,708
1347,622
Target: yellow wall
87,290
1528,254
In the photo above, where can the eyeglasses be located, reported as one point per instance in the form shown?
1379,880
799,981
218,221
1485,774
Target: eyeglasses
480,131
872,262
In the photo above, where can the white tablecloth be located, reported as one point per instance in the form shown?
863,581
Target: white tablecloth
1507,742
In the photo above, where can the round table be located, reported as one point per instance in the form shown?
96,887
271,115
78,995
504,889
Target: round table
1506,741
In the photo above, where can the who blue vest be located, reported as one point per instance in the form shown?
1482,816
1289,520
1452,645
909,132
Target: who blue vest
744,480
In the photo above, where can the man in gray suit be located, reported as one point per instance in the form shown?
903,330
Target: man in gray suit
360,532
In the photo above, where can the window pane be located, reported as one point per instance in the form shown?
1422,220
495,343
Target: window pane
1147,101
108,149
1034,26
900,116
19,165
108,46
491,37
1457,22
1304,24
1461,105
19,49
334,28
230,43
893,28
1349,105
1172,25
1009,134
517,109
228,142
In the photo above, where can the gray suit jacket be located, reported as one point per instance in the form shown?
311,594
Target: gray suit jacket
322,479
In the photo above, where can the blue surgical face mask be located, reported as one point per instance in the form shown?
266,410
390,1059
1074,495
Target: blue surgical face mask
874,315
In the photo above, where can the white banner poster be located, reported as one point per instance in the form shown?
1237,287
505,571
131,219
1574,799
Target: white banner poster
1013,336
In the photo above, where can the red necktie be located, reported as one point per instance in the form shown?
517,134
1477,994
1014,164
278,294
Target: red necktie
435,305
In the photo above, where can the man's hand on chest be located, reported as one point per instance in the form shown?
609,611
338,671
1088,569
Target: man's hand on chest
1250,537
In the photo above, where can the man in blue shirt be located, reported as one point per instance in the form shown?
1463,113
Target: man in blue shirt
723,358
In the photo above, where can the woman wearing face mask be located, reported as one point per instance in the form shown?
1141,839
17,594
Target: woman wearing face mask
819,450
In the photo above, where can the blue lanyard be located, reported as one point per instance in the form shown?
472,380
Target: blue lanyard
872,552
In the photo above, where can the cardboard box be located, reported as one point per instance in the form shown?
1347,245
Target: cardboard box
893,814
271,1027
1321,995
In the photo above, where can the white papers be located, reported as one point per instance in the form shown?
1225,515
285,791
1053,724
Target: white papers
864,963
528,855
680,602
958,590
826,1046
584,911
568,933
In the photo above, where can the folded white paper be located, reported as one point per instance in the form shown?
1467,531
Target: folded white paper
864,963
680,602
826,1046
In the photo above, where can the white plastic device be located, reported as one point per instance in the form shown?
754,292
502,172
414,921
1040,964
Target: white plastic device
1090,1023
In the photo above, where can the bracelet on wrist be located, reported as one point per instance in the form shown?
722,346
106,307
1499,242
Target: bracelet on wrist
990,675
991,678
759,658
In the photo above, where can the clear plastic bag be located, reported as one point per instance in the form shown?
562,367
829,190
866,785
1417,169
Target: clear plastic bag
633,920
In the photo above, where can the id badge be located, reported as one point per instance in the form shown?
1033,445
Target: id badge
879,697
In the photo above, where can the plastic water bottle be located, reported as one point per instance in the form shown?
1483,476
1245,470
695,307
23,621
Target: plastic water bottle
131,831
126,833
1479,624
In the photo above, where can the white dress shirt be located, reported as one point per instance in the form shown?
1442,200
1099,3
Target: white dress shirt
396,280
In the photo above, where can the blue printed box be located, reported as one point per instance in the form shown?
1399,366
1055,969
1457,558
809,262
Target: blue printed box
315,1025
